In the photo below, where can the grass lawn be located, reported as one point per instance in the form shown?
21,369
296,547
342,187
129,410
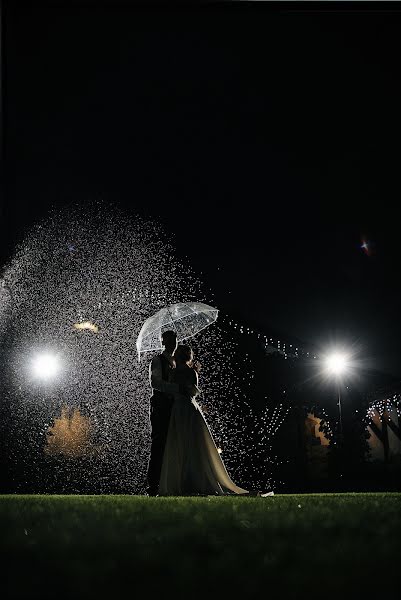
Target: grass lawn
287,546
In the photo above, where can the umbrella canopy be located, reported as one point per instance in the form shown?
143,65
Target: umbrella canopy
185,318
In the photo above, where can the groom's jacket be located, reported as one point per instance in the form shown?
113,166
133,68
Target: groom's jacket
159,375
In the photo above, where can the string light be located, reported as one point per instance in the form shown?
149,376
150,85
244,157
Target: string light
385,405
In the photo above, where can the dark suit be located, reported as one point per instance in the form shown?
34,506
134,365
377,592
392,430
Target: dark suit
161,403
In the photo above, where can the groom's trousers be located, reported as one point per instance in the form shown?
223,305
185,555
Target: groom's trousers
160,411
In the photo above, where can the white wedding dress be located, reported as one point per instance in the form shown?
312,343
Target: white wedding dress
191,463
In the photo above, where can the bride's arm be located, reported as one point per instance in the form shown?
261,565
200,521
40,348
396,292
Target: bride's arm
196,389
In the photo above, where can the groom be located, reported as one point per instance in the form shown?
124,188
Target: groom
161,403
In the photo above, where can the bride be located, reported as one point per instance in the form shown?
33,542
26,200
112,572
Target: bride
191,462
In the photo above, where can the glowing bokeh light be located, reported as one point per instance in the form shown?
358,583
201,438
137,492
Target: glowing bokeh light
86,325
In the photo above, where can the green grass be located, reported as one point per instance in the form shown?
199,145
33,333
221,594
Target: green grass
127,546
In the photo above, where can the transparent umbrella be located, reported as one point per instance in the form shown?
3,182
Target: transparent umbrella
185,318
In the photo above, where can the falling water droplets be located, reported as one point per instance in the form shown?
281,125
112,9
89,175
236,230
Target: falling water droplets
98,265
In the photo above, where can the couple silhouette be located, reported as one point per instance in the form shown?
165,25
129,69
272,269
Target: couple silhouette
184,460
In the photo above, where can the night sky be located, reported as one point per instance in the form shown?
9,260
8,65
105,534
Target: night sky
266,138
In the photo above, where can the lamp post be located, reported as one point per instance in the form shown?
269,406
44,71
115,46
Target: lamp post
336,365
339,407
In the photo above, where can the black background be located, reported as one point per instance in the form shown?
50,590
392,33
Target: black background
264,136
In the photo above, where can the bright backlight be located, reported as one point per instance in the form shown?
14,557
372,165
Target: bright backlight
45,366
336,363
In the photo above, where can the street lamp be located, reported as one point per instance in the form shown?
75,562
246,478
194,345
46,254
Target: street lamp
337,364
